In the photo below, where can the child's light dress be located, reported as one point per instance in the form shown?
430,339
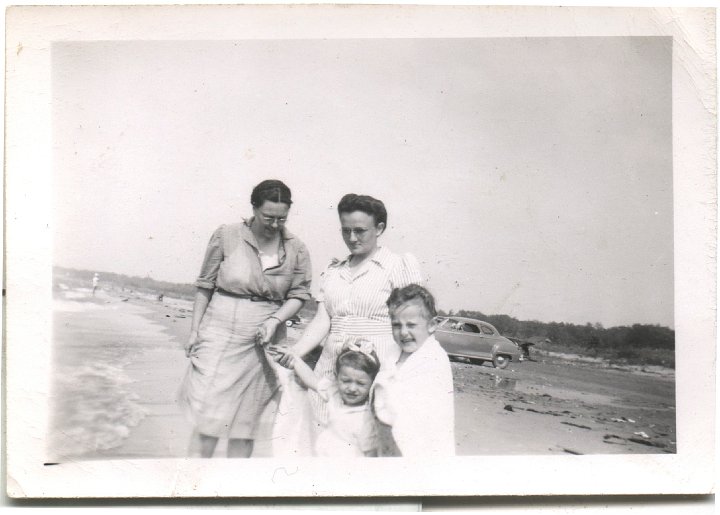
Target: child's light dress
349,431
293,428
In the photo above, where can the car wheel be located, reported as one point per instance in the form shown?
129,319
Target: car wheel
500,361
477,361
289,323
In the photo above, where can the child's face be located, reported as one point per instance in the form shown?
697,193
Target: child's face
411,326
354,385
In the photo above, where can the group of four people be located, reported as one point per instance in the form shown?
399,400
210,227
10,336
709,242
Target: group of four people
382,385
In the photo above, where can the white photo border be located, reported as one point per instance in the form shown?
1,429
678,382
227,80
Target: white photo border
29,230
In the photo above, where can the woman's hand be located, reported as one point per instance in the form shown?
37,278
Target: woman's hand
282,356
191,343
315,333
266,330
286,359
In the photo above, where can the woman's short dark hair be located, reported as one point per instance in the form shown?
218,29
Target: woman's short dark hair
272,190
359,361
365,203
409,293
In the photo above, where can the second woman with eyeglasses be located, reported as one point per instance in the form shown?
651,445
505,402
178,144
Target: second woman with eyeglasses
351,303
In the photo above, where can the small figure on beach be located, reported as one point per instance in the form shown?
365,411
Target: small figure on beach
95,282
351,302
255,276
413,401
350,427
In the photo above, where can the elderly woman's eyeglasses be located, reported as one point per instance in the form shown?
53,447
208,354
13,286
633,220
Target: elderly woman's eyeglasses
272,219
359,232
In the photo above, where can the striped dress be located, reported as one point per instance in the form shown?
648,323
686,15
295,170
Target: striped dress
355,301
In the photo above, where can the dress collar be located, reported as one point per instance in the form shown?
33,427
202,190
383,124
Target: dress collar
381,258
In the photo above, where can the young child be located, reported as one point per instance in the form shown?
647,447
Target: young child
350,430
413,402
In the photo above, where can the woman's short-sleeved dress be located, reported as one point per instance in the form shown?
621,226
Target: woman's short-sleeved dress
229,381
355,301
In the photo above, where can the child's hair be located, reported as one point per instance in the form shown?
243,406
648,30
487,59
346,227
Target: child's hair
409,293
359,361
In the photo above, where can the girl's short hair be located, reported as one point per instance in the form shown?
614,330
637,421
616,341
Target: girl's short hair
410,293
365,203
359,361
272,190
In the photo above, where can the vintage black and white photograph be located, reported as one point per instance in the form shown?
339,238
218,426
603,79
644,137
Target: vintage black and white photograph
361,249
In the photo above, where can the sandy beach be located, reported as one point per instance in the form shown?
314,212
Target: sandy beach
118,362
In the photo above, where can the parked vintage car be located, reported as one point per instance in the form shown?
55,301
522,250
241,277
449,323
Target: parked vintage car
476,340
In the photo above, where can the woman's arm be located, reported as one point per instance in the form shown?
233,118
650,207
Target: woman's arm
202,299
287,310
296,295
316,331
205,284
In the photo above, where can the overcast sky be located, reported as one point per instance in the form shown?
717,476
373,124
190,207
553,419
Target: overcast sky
530,177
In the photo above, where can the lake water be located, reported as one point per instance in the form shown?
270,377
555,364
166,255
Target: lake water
95,400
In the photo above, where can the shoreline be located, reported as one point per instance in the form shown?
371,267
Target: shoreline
153,364
553,404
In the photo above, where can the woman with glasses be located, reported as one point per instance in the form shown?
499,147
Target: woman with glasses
255,276
351,304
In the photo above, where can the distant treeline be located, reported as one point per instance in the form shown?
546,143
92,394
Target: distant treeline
140,284
624,342
639,343
83,278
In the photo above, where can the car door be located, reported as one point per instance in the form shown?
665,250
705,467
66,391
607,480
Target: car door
449,337
475,341
490,338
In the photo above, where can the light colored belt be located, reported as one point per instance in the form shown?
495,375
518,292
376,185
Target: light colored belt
359,326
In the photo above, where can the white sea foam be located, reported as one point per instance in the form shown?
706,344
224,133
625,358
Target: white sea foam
96,401
95,409
77,293
74,306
